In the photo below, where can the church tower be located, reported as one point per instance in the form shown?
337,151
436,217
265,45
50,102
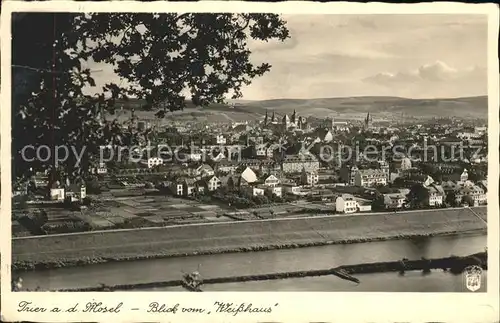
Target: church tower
286,121
464,176
368,121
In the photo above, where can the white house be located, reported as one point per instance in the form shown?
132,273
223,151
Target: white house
475,192
370,177
176,188
204,170
270,150
394,200
352,175
436,194
294,189
194,156
271,180
220,156
346,203
309,178
363,205
154,161
57,194
213,183
76,192
189,187
227,166
221,140
296,163
249,175
275,190
260,150
255,191
469,135
102,169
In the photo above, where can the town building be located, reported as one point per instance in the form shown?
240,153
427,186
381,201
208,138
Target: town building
435,192
474,194
370,177
263,150
204,170
176,187
272,181
402,164
220,139
346,203
309,178
248,176
212,183
295,163
275,190
323,135
56,192
227,166
75,192
154,161
394,200
255,190
101,169
189,186
293,189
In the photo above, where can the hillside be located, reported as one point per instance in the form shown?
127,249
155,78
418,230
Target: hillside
345,108
475,107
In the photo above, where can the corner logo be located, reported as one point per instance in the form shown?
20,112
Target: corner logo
472,276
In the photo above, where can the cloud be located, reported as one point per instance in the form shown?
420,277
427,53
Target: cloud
435,72
346,55
431,80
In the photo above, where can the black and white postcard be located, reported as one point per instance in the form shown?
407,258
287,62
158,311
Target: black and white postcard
155,149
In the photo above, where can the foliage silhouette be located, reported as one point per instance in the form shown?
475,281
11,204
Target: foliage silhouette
160,57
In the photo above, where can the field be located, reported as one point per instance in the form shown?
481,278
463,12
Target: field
281,211
119,211
144,211
240,236
382,108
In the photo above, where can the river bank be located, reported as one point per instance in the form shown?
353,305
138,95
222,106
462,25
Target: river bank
46,252
276,261
453,264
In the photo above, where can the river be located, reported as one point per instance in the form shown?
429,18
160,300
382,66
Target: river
324,257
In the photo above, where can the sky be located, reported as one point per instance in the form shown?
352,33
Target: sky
412,56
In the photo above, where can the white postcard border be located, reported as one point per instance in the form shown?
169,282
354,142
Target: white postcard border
292,307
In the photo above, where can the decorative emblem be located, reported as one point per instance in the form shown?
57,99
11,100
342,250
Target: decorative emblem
472,275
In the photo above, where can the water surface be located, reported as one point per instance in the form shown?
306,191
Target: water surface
231,264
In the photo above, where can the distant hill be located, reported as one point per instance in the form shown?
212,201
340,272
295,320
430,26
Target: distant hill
475,107
345,108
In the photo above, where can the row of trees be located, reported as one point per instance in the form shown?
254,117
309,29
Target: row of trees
418,197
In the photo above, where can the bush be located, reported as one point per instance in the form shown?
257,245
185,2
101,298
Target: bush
260,200
93,187
87,201
67,227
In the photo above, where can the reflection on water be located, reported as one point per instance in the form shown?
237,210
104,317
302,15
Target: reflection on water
278,261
